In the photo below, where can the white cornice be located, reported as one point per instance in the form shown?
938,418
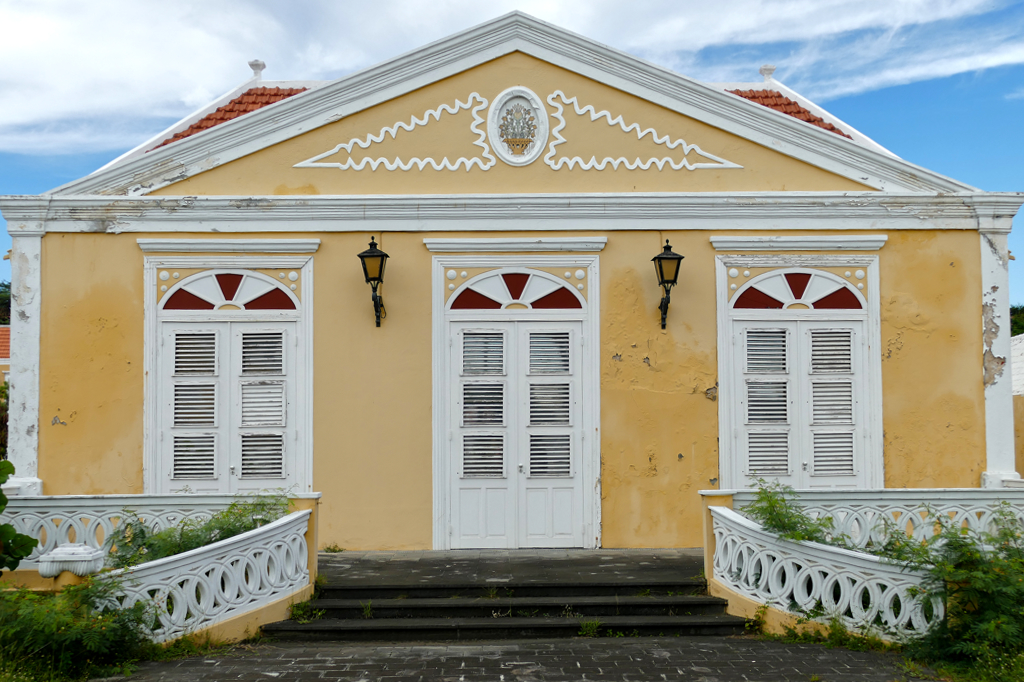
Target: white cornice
462,51
229,245
516,244
853,242
533,212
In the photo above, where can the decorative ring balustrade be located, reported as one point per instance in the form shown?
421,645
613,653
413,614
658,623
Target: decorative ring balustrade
205,586
90,519
860,514
805,578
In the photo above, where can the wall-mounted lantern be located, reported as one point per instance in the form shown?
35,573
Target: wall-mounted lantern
666,264
374,260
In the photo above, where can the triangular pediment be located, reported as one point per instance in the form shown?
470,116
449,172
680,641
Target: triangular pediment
443,120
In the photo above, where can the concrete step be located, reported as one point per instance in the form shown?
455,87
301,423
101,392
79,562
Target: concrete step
526,607
468,629
440,589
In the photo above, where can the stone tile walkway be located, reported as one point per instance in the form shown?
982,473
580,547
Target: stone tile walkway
658,659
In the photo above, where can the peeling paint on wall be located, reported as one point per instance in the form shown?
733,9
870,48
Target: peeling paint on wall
992,363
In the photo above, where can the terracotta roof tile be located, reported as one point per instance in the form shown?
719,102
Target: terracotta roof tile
250,100
5,342
773,99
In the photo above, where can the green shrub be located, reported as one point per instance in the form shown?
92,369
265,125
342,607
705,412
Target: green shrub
65,635
133,542
13,546
774,508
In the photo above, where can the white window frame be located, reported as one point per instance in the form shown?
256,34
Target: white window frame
729,353
302,461
590,315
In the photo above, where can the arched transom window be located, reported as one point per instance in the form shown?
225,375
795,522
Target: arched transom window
799,289
229,290
509,289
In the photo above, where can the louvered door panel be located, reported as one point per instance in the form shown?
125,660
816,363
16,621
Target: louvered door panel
195,353
549,405
483,353
767,350
483,456
263,403
768,453
549,353
833,453
193,456
263,352
831,351
195,405
483,404
767,402
262,455
550,456
832,402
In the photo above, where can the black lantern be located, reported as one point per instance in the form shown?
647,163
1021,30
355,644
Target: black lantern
374,260
666,264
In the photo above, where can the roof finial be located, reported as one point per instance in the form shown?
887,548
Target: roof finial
257,66
767,70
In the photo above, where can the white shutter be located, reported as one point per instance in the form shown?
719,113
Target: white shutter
832,402
549,405
263,352
483,404
768,453
833,453
831,351
262,455
550,456
263,403
766,350
195,405
195,353
483,456
549,353
194,456
483,353
767,402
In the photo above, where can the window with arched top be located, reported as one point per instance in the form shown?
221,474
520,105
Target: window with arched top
229,290
516,289
799,289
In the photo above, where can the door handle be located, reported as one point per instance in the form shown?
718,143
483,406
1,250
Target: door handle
520,468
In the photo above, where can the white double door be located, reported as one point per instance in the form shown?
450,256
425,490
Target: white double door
516,437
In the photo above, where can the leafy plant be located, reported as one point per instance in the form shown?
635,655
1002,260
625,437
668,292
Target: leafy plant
367,608
133,542
590,627
774,508
305,612
14,546
333,548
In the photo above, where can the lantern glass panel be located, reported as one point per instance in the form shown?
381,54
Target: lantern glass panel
373,267
669,270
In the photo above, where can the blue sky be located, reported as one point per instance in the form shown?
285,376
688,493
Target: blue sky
938,82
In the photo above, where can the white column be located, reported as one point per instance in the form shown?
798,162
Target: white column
26,223
995,312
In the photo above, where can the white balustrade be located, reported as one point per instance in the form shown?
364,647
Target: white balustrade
863,591
860,515
90,519
196,589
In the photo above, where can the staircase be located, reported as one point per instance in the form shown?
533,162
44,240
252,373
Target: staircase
482,602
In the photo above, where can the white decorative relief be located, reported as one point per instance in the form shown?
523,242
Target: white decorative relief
518,126
485,161
593,164
865,592
77,558
194,590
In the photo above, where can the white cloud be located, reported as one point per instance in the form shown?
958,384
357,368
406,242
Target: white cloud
106,74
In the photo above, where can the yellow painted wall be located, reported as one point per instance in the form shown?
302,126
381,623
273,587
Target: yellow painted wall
1018,431
372,421
270,171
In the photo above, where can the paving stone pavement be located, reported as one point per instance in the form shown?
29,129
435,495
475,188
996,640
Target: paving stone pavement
657,659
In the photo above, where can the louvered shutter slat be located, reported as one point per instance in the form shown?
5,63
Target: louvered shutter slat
262,455
832,402
195,353
483,456
193,456
263,404
550,456
831,351
263,353
549,353
195,405
768,454
767,402
483,353
833,454
766,350
549,404
483,404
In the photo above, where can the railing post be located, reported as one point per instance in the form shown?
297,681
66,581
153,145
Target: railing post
712,498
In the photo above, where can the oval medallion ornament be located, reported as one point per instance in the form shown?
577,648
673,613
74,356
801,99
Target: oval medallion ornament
517,126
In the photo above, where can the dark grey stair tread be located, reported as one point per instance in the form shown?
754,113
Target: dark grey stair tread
466,583
341,625
519,602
